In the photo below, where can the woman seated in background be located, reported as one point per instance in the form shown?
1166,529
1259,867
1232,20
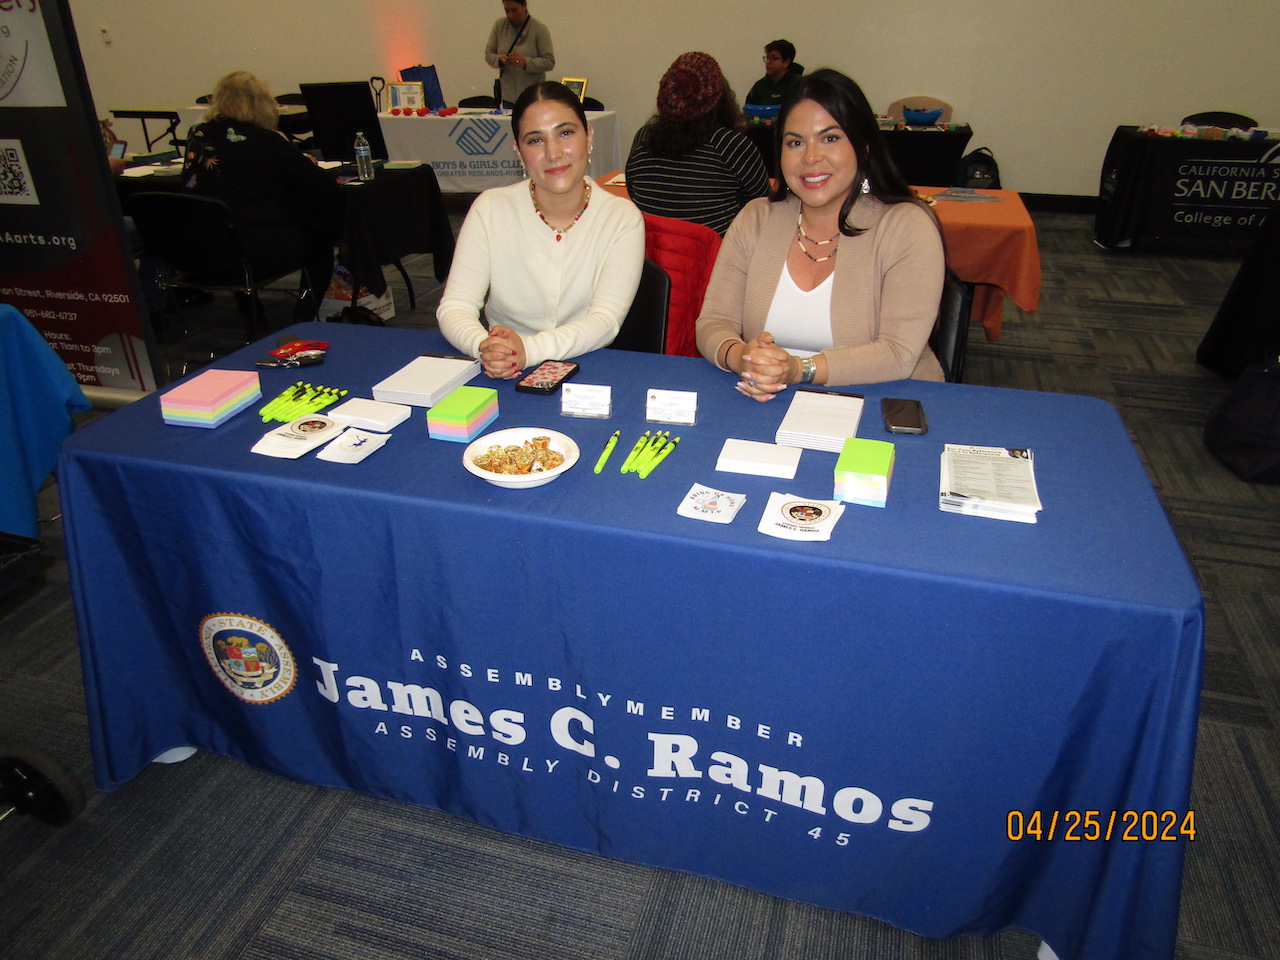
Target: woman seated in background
692,161
836,278
286,210
553,263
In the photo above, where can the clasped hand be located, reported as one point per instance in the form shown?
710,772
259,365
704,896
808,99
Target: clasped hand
766,369
502,354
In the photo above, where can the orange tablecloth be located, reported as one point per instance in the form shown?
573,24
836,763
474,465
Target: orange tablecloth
991,245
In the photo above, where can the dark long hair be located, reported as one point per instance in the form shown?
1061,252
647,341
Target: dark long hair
848,106
547,90
675,138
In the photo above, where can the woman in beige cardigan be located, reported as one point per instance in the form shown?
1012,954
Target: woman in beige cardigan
836,278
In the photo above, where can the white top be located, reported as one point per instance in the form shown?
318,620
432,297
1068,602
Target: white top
565,298
800,320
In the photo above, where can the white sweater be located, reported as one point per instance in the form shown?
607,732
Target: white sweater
565,298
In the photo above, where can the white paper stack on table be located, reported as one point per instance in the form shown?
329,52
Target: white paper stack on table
370,414
820,420
994,482
759,459
426,380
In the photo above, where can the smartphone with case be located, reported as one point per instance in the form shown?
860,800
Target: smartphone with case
903,416
547,377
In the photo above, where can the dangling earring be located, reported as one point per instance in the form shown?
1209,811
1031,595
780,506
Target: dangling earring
866,186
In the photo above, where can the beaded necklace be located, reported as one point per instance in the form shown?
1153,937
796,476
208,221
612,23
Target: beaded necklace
561,231
801,236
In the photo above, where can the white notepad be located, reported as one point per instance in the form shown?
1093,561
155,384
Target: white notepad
760,459
426,380
820,420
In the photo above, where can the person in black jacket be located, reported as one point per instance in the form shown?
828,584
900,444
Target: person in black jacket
287,211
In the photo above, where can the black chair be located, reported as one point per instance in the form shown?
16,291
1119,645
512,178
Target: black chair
645,328
296,124
950,337
195,237
591,103
1221,118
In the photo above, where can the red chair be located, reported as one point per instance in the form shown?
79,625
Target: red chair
687,252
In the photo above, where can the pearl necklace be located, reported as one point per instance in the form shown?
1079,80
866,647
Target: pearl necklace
801,236
561,231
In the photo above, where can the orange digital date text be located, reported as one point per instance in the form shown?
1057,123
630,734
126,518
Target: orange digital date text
1093,825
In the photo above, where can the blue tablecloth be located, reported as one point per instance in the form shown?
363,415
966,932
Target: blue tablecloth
845,723
38,394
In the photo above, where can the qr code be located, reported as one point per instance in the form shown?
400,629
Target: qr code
15,175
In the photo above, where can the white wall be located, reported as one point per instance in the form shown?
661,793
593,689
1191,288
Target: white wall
1043,83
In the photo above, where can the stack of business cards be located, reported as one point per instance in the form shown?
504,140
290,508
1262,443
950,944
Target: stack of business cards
820,420
427,380
760,459
210,398
370,414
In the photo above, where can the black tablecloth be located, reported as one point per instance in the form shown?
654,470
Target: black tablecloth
1206,195
397,213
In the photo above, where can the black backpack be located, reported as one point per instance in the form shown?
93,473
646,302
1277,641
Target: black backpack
978,169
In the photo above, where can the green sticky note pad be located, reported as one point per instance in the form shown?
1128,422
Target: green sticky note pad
463,404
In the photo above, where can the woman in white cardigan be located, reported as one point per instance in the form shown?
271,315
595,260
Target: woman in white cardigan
552,262
836,278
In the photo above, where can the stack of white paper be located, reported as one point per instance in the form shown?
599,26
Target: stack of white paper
820,420
995,482
760,459
370,414
426,380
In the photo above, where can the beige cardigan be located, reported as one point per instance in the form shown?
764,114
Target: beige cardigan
884,297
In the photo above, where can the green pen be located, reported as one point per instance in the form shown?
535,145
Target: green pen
608,449
666,452
635,452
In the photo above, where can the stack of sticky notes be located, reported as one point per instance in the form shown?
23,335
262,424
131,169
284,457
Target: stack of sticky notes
210,398
863,472
463,414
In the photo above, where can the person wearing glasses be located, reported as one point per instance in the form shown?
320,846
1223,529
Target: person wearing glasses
519,48
836,277
780,74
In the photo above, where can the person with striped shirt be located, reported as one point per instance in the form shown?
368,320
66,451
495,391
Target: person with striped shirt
692,161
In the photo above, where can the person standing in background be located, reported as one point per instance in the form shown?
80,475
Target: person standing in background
520,49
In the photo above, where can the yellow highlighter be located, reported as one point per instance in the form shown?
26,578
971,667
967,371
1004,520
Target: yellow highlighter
666,452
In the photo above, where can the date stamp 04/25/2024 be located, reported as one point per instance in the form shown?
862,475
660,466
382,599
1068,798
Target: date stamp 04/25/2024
1094,825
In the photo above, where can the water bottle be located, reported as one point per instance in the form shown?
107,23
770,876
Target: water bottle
364,157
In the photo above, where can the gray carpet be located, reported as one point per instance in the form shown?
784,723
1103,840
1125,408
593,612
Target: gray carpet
210,859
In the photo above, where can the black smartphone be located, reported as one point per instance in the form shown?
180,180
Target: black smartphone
903,416
547,377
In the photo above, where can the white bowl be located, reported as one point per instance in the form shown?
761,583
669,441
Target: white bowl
517,436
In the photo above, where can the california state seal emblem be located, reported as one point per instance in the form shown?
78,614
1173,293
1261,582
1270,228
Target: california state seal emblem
248,657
